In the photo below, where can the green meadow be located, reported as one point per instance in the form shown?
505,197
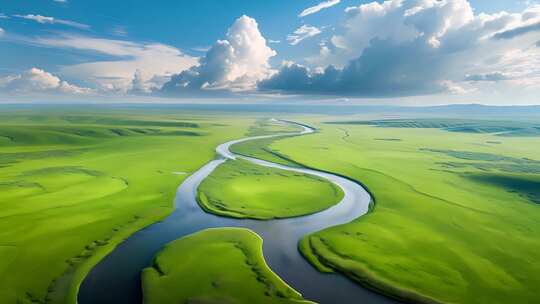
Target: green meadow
222,265
75,183
456,217
241,189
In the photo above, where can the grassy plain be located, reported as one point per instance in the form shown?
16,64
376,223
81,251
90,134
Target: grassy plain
456,218
222,265
241,189
75,183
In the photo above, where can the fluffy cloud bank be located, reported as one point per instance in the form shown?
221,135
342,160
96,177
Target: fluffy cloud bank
388,48
236,63
400,48
36,80
131,67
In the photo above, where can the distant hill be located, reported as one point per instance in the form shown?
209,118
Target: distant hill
462,110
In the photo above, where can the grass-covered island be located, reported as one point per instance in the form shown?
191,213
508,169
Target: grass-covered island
221,265
241,189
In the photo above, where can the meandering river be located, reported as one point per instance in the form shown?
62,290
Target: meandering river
116,279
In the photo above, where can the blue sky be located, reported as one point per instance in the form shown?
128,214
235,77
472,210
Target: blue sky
346,50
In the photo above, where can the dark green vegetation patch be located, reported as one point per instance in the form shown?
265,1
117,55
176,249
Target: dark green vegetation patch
500,128
82,134
128,122
388,139
14,157
526,186
516,175
489,161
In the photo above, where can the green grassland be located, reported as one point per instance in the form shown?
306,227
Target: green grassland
456,216
265,126
241,189
222,265
496,127
259,149
73,184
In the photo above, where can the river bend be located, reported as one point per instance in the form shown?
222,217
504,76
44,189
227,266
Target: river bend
116,279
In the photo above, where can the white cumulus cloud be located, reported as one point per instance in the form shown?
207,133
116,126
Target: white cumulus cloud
154,62
302,33
318,7
235,63
36,80
417,47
